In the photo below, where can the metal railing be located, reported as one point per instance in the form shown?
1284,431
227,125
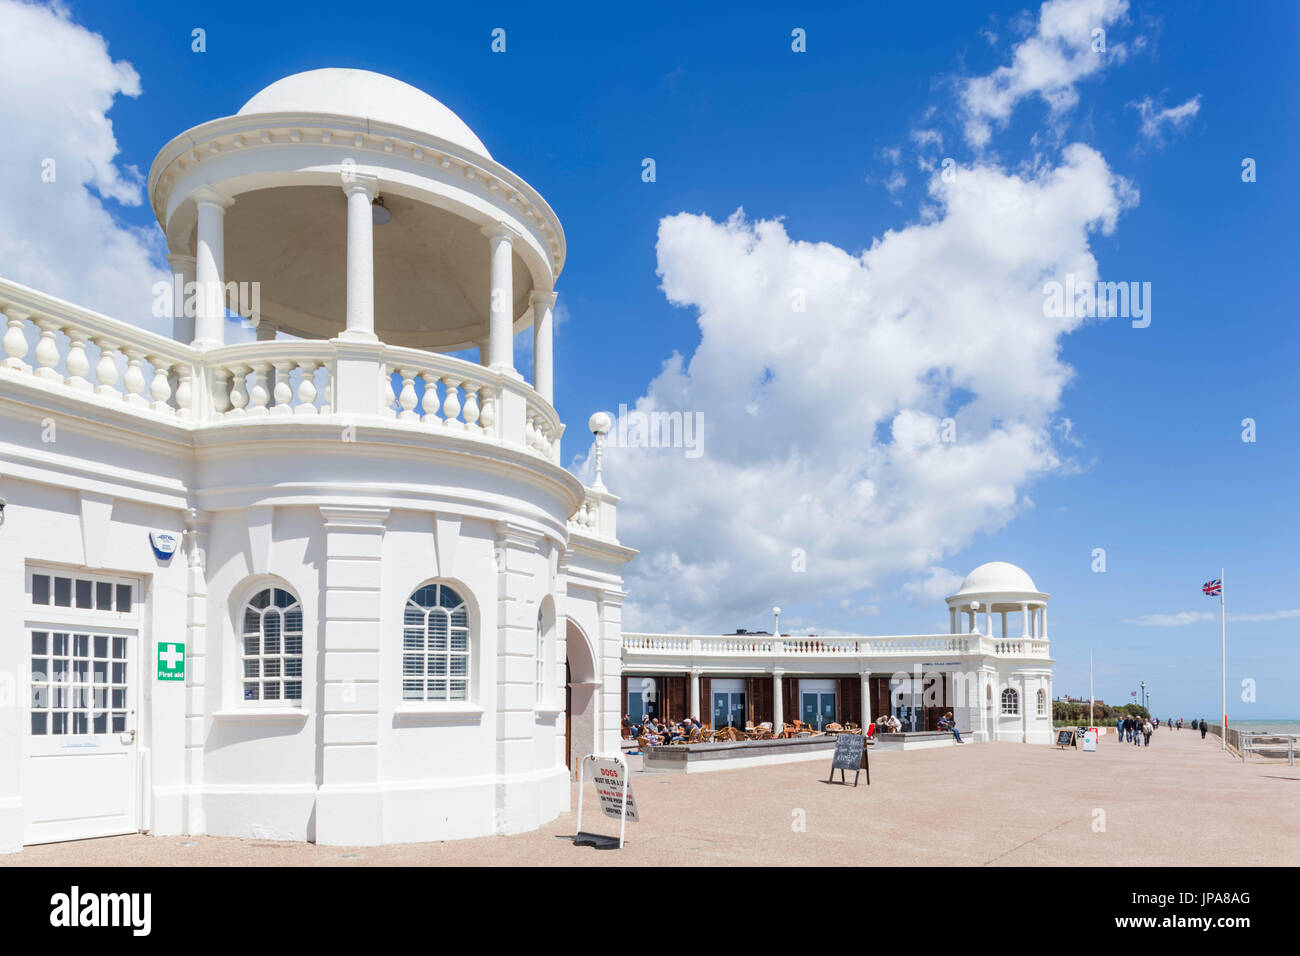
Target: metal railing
1271,746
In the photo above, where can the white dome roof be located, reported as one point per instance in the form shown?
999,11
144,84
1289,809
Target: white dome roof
364,94
997,577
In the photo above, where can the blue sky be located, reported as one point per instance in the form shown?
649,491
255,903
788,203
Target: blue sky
1151,466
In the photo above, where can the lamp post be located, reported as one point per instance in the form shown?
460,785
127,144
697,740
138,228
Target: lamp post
599,424
776,625
1142,698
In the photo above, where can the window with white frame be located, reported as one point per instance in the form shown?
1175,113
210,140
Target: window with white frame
272,645
435,645
1010,703
1042,703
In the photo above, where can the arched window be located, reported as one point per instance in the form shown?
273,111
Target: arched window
272,638
1010,702
541,658
435,645
1042,703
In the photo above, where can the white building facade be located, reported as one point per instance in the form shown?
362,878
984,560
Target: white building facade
331,584
992,670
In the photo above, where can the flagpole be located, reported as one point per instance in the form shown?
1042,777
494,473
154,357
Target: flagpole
1223,656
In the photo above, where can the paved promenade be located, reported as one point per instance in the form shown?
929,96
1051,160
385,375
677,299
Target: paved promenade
1182,801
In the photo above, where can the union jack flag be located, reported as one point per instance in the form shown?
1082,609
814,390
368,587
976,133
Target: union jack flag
1213,588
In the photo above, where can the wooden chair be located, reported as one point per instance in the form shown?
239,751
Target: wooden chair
697,735
834,727
644,743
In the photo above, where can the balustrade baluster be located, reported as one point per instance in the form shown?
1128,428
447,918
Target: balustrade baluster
260,395
185,392
307,388
134,379
47,351
451,403
161,387
471,411
487,416
238,391
15,341
407,398
221,390
282,390
105,370
77,363
430,401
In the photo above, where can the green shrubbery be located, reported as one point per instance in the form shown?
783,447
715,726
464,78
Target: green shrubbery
1077,713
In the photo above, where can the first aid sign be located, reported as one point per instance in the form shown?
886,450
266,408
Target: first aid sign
171,661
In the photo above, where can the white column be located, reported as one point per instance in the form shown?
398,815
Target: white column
1044,634
1024,710
695,694
543,377
501,341
988,617
1024,618
360,190
778,702
182,267
210,268
952,620
865,677
974,621
1004,623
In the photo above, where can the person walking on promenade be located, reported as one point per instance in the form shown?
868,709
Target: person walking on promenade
1147,730
1204,728
1119,729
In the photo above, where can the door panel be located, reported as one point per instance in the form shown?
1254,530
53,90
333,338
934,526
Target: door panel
79,774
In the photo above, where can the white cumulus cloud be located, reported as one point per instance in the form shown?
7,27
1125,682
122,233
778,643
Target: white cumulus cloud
824,430
62,236
1062,50
1157,123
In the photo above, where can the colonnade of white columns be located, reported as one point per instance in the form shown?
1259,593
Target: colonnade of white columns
207,269
1033,619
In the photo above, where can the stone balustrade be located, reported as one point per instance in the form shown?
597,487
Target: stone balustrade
758,645
53,345
596,516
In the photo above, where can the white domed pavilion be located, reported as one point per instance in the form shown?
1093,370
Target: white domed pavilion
332,584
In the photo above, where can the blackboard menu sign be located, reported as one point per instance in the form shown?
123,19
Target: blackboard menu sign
850,754
1066,739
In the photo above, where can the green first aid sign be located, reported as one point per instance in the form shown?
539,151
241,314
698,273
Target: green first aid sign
171,661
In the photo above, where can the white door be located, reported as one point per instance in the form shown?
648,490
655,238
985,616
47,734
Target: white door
79,773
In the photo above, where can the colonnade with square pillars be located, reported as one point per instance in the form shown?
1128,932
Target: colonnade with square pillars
206,268
1033,619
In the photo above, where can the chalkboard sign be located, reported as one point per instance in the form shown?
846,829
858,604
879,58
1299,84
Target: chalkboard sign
1066,739
850,754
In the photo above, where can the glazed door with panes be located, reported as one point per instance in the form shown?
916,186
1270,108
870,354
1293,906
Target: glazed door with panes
82,646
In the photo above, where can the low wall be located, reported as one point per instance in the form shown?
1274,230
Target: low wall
706,758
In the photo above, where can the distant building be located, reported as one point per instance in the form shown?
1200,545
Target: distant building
997,683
